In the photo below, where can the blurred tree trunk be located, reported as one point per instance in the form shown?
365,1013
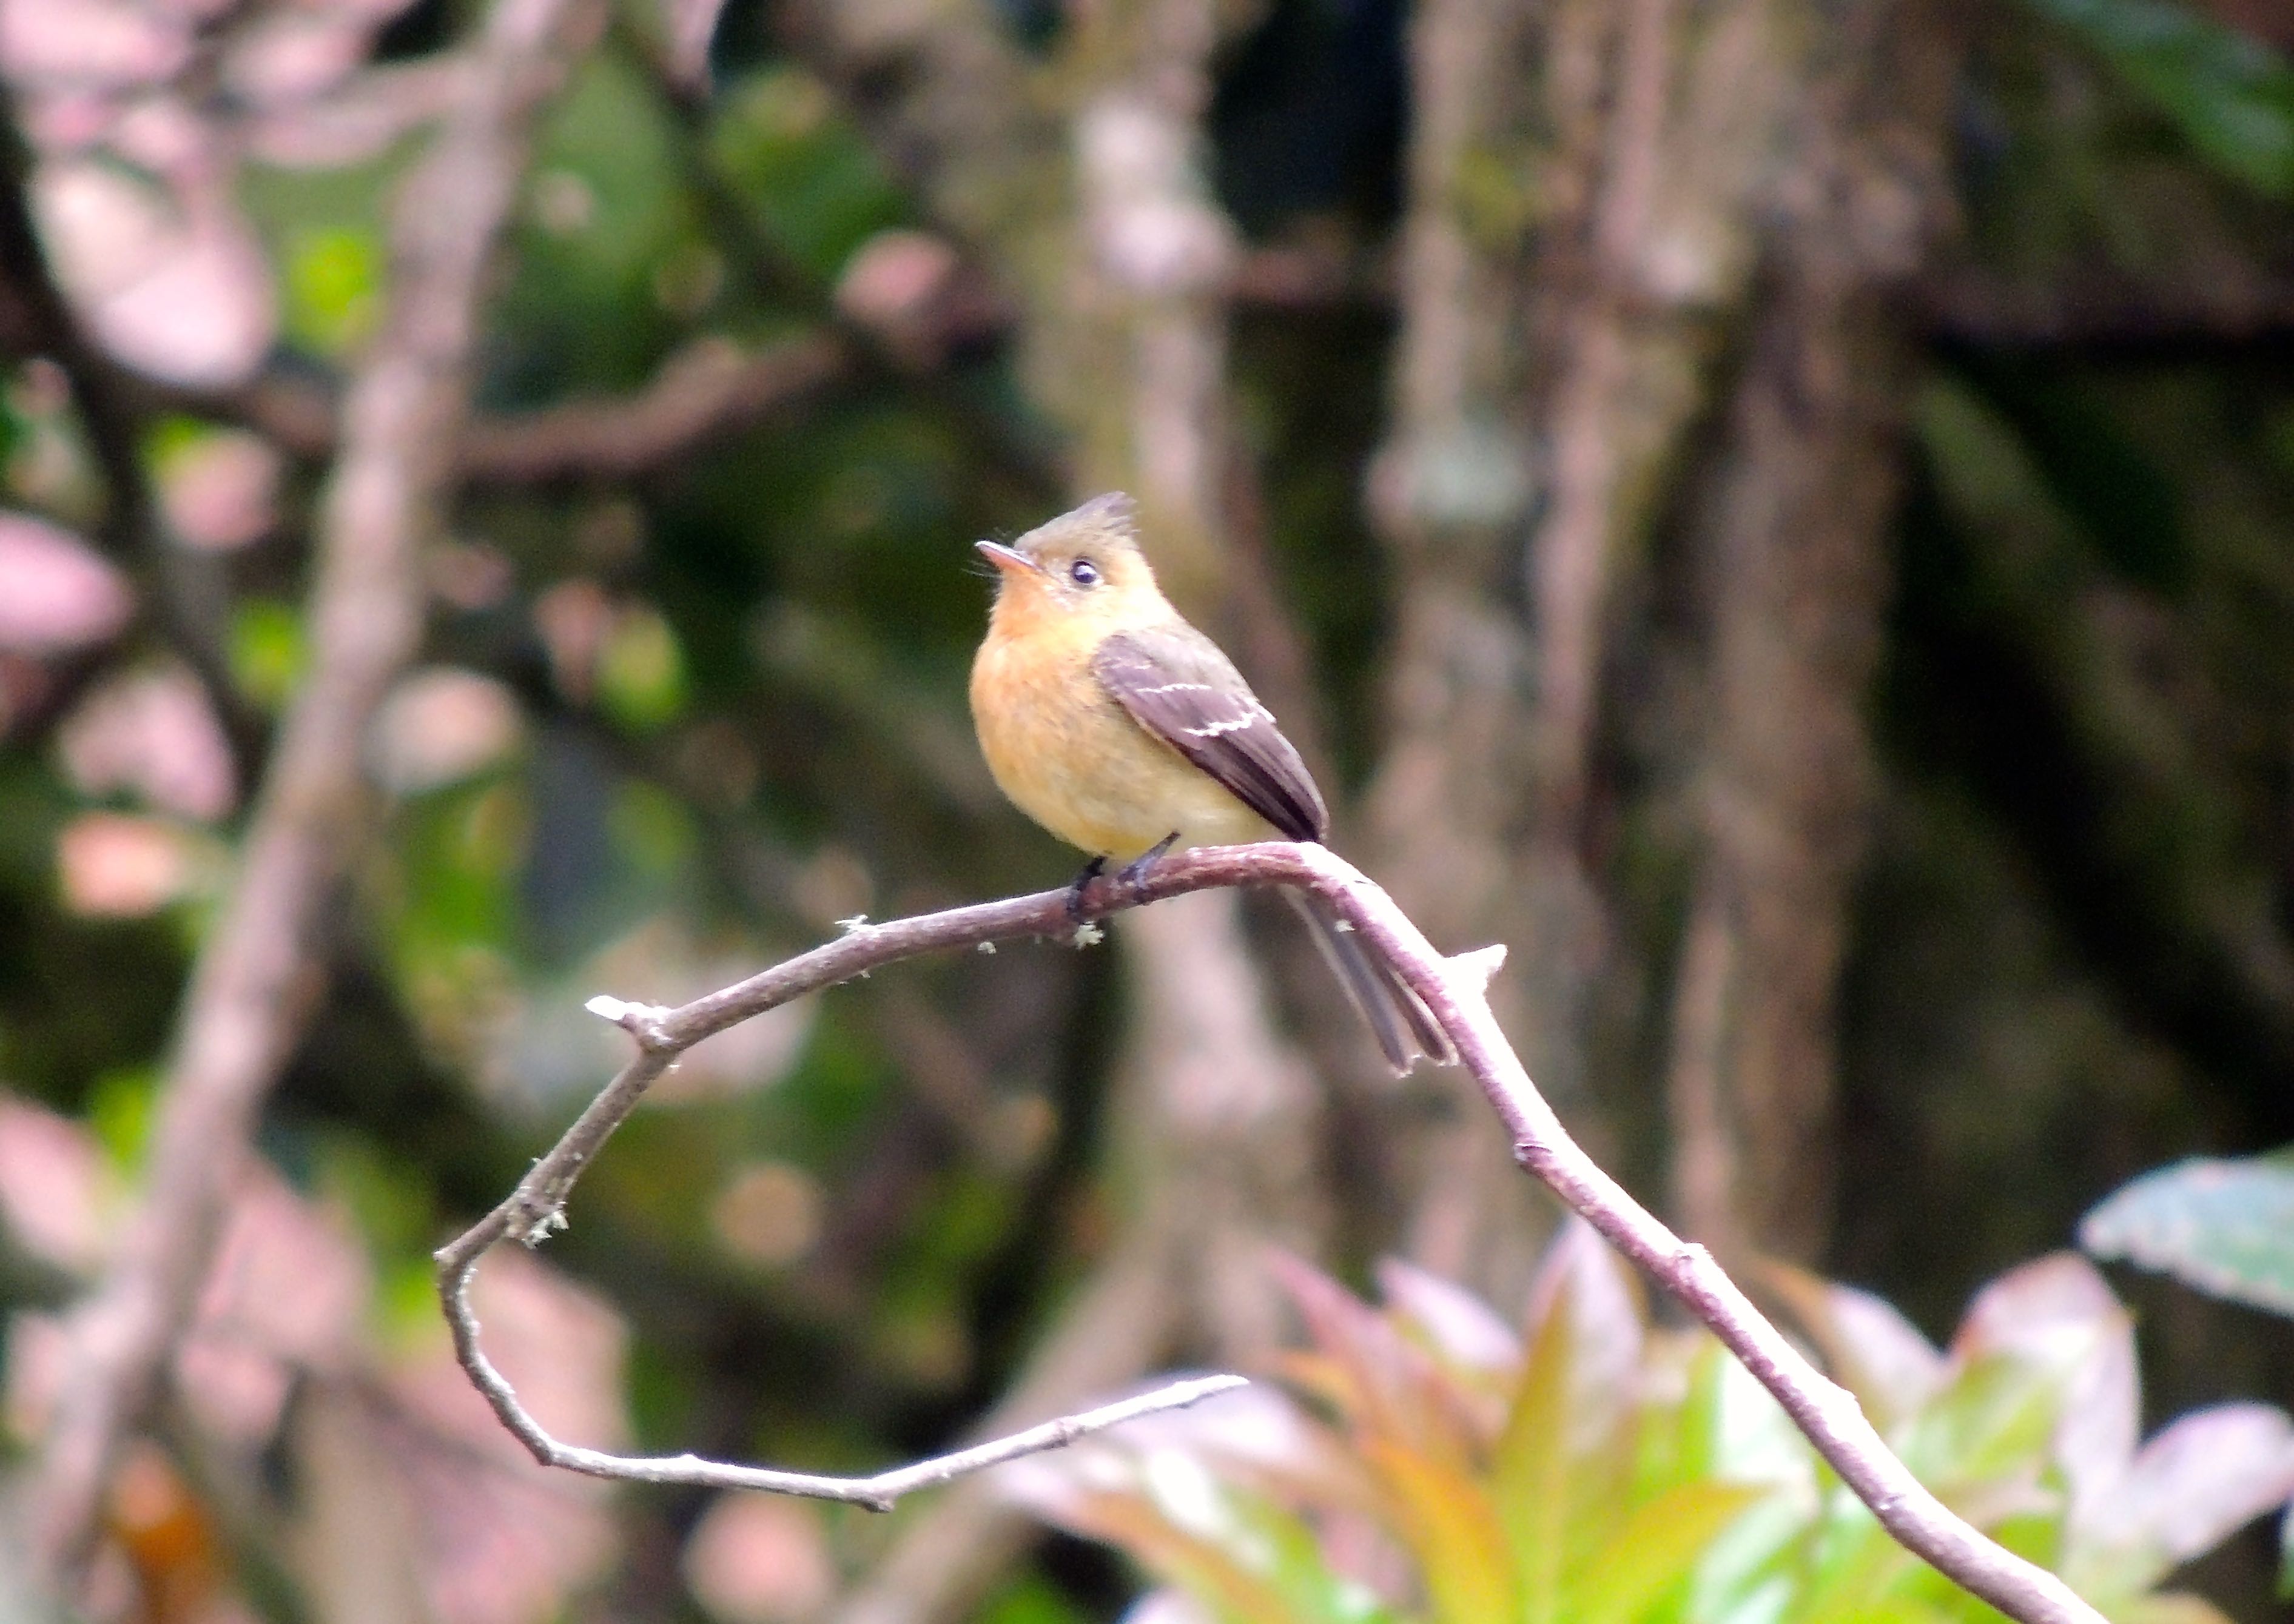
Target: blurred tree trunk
1606,202
1793,543
1579,235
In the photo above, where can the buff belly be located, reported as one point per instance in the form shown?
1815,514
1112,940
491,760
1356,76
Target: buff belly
1072,759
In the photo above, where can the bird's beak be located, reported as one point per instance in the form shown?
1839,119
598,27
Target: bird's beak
1009,559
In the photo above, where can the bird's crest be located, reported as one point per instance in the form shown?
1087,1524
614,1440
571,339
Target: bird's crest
1112,517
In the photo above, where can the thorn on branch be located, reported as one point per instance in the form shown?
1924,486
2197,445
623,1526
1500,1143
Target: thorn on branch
1478,969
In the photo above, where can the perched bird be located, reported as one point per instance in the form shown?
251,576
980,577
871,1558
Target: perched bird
1123,730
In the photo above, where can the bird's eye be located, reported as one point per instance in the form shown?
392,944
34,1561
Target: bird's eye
1084,573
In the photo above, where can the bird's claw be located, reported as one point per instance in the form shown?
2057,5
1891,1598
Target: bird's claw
1092,870
1135,873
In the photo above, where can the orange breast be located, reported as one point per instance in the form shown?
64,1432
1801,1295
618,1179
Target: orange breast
1072,759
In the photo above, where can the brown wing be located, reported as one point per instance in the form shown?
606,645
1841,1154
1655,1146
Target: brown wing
1176,685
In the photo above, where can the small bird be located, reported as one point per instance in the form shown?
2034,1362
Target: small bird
1122,729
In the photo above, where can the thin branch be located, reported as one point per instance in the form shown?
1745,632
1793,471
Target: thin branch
2100,307
1453,989
710,388
255,982
1117,1324
879,1492
703,392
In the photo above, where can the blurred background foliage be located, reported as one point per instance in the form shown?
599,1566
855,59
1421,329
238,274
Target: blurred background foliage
674,721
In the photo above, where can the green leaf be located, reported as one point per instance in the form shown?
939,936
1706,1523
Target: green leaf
1202,1565
1560,1471
120,1112
1451,1525
2232,96
1995,1418
2225,1227
641,671
1657,1547
1032,1600
1529,1477
800,164
334,285
265,649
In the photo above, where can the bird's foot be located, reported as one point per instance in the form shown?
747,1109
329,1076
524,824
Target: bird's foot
1135,873
1092,870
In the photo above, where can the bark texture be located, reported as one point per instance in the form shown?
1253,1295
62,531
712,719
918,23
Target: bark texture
1794,538
1581,233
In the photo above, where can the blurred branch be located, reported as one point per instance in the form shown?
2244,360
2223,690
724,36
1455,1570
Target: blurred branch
709,388
705,390
1453,988
968,315
2102,306
1310,277
254,981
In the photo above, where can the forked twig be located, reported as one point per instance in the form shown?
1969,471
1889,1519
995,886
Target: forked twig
1453,989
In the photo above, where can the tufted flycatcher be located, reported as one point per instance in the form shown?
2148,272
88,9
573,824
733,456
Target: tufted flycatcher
1123,730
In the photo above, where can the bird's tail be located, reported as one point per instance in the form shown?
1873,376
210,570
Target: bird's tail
1398,1017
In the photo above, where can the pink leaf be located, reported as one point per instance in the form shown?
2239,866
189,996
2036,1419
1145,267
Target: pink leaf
758,1560
441,725
1872,1350
1606,1329
174,285
221,492
1463,1327
109,865
55,593
91,42
2199,1480
152,732
692,24
2060,1311
51,1185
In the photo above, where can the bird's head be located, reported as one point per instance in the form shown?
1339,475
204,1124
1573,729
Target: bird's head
1084,566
